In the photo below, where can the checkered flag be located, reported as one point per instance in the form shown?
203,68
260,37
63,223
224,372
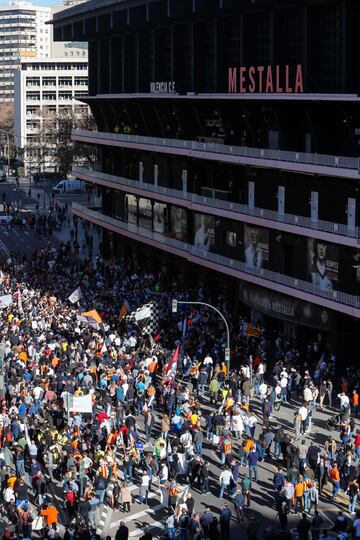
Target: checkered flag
146,317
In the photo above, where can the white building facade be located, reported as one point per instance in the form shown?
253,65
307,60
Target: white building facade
46,88
23,34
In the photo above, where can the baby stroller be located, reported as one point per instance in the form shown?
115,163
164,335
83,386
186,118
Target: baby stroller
333,422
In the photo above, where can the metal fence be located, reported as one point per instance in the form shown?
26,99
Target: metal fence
339,229
226,262
323,160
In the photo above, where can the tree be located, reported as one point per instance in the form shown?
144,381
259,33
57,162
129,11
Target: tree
53,144
7,116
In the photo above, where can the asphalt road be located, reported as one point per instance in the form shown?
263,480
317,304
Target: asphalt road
24,241
152,518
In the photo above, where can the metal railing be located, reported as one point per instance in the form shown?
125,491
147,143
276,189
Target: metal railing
338,229
322,160
226,262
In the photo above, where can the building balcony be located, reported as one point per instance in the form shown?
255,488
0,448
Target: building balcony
300,225
301,162
304,290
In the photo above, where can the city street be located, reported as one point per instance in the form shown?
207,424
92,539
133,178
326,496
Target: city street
152,518
23,238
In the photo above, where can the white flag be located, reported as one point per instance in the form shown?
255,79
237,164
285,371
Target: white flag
27,438
143,313
80,404
75,296
19,302
5,301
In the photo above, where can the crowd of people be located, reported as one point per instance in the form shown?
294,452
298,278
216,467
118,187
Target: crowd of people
149,429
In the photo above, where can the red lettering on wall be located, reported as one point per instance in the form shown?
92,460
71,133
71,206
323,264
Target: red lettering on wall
269,88
267,79
260,70
288,88
242,80
252,80
299,85
232,80
279,90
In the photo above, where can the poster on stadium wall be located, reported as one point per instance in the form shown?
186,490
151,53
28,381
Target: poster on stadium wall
178,218
323,264
204,226
256,246
145,213
159,217
132,209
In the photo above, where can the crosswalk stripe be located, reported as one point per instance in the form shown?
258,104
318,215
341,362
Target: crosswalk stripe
142,513
147,528
340,496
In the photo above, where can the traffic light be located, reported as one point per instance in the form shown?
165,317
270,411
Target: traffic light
174,306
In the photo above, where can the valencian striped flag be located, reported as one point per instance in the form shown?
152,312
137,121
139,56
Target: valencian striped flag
171,367
125,309
252,331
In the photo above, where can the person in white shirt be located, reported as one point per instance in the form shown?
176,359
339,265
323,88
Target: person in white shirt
344,401
303,412
308,396
260,372
263,388
237,425
144,488
283,384
225,480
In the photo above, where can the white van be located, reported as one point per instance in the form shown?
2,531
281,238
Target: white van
70,186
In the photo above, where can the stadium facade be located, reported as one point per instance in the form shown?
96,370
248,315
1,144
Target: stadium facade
228,148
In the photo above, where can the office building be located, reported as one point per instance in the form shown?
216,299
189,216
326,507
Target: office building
23,34
228,149
46,89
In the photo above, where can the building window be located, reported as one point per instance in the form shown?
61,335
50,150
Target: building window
65,81
65,95
33,81
33,96
49,81
49,96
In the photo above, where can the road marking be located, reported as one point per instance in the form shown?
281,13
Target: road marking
15,232
3,246
146,512
146,528
326,517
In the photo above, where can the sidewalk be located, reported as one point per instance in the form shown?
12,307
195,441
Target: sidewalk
64,235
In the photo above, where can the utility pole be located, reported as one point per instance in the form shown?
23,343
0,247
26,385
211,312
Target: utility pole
174,305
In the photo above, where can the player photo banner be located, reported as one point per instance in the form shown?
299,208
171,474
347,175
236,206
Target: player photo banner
256,246
323,263
204,226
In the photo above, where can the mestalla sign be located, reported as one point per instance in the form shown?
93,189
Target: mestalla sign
266,80
289,309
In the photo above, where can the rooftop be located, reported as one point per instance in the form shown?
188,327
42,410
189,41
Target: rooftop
86,7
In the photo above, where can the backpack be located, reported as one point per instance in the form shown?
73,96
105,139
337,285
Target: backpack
278,481
227,446
70,497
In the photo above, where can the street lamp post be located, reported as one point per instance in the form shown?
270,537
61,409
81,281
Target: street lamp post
175,304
